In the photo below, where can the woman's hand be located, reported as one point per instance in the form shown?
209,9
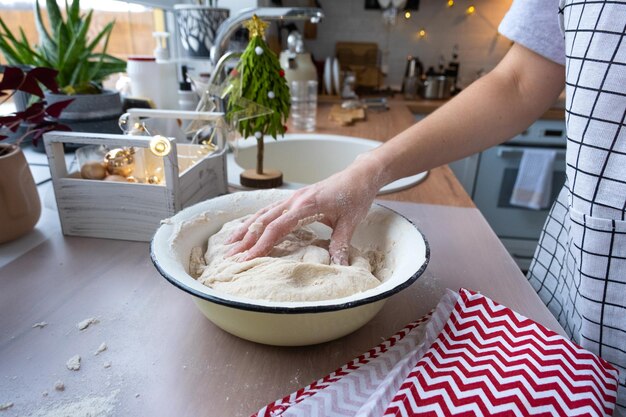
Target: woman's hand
340,202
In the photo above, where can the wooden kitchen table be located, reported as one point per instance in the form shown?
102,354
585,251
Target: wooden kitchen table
164,358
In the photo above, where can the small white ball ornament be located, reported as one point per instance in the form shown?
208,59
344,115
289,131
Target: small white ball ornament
258,134
271,95
258,50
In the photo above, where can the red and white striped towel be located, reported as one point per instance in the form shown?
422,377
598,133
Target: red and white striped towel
472,357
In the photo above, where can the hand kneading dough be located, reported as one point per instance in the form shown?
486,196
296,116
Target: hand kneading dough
297,269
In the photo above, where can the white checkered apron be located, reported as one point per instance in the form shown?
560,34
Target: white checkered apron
579,269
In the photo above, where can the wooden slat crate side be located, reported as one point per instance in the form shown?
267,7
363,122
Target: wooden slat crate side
204,180
111,210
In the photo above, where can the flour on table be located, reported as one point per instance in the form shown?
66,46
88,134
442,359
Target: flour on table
86,323
297,269
101,349
40,325
59,386
73,363
88,406
107,365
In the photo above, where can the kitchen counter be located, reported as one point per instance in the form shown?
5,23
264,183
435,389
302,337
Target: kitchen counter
164,358
423,106
439,187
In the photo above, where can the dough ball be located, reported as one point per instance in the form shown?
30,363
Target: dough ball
297,269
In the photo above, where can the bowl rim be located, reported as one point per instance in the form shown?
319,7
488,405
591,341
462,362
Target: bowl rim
303,309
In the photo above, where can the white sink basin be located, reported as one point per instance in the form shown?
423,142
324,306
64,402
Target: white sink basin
306,158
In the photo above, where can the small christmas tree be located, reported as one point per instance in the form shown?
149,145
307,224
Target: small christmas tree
258,78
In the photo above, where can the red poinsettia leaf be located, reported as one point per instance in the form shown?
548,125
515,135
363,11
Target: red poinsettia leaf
12,126
12,78
34,108
30,85
11,122
5,120
55,109
33,114
46,76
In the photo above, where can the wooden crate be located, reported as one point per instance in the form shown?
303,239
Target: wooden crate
128,211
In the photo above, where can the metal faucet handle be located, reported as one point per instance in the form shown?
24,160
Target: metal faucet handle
231,24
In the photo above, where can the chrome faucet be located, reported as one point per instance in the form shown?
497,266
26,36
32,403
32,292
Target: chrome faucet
230,25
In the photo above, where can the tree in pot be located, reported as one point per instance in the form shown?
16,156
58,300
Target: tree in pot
19,202
259,79
80,64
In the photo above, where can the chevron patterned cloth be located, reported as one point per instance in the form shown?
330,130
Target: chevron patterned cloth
470,357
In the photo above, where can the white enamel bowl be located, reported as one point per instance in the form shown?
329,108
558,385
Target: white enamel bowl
306,158
287,323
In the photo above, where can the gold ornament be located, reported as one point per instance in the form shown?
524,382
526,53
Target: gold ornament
256,26
93,171
120,161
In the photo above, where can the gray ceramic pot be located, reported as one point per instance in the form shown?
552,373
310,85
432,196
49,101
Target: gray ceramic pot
91,112
96,113
89,107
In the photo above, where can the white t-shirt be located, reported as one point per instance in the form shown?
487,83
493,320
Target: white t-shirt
538,32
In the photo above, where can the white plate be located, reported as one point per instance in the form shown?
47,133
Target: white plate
336,77
328,86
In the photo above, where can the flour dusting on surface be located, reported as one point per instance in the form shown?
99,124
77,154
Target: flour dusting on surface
100,349
88,406
82,325
73,363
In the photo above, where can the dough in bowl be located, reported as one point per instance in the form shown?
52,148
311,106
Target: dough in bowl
297,269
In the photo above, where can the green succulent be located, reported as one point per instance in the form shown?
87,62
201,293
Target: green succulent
66,49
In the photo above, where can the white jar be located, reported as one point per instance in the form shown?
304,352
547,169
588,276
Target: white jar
143,73
153,80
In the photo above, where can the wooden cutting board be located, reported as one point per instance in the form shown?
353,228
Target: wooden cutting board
345,116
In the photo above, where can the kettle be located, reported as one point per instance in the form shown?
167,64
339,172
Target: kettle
412,77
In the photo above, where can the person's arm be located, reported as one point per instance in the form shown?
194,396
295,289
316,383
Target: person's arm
490,111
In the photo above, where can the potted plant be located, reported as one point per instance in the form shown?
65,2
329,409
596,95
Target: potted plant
81,66
20,207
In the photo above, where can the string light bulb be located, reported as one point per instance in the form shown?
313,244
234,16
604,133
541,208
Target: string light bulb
160,145
422,33
450,3
407,14
470,10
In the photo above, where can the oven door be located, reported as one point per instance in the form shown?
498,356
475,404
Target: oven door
497,172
